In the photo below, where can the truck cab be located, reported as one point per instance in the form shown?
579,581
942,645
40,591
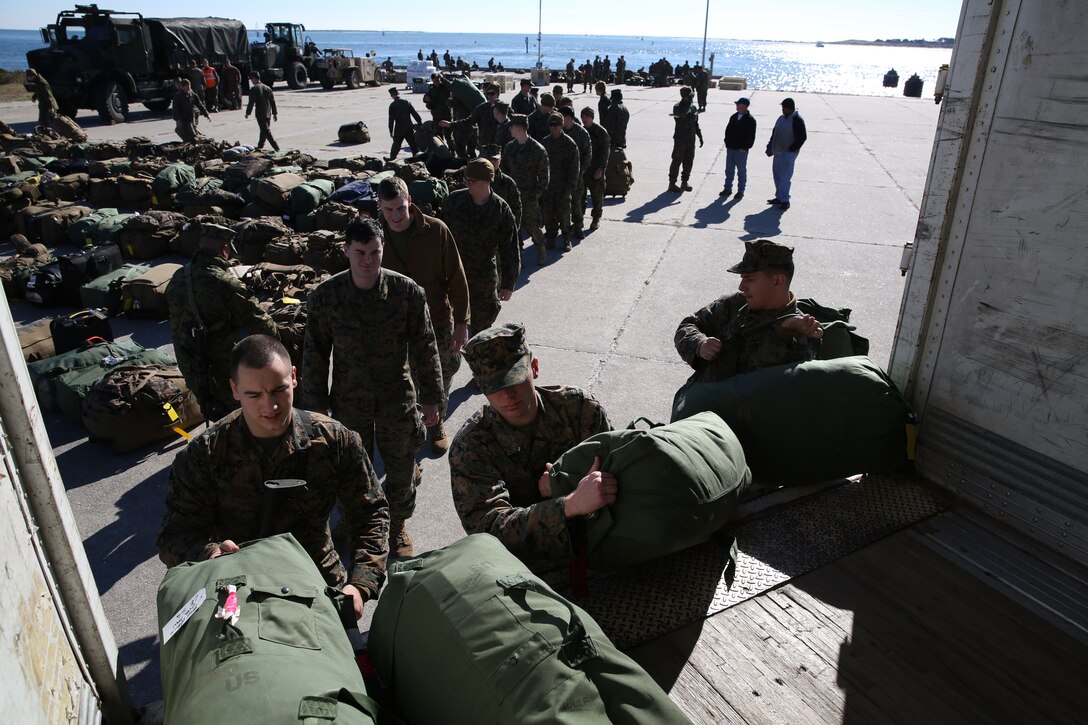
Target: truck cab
283,55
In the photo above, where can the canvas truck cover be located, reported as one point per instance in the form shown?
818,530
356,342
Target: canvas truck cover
209,38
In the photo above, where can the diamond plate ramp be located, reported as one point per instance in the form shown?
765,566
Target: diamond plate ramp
638,604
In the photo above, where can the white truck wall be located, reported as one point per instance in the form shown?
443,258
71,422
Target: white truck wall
992,344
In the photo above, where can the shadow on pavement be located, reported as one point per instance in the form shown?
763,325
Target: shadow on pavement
659,202
145,685
716,213
762,224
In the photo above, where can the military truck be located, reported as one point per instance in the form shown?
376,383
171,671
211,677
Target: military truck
104,60
340,65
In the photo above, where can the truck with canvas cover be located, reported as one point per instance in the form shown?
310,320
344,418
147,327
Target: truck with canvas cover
104,60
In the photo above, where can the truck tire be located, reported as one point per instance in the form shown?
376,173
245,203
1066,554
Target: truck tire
157,106
268,77
296,76
326,82
111,103
351,78
379,76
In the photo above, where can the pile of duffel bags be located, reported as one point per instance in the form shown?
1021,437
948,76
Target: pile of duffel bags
460,635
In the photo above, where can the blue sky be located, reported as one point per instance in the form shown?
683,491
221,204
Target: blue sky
743,19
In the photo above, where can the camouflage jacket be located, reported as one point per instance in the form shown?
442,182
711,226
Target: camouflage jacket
372,336
401,113
215,492
614,117
563,168
580,136
484,232
494,470
262,97
432,260
502,135
483,118
687,123
43,94
225,307
750,340
527,165
601,145
524,104
507,188
538,125
186,105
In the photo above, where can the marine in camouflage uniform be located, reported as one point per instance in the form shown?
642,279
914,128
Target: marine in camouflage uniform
231,96
215,494
747,334
523,102
401,113
495,466
375,337
683,141
262,97
482,118
563,173
186,107
42,92
226,309
614,117
577,133
503,185
526,161
594,173
488,242
538,120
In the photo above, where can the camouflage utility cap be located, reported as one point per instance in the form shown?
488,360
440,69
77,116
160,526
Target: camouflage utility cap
499,357
761,254
480,170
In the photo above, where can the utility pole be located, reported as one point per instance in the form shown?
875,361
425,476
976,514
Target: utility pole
706,23
539,27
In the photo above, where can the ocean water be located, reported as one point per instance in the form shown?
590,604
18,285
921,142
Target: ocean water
768,65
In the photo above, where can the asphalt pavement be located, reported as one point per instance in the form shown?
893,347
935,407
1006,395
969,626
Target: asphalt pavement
601,317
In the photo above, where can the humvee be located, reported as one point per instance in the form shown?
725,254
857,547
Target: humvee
340,65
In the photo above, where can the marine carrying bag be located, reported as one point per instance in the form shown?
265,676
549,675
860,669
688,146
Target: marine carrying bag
287,657
678,484
619,174
511,649
810,421
356,132
135,405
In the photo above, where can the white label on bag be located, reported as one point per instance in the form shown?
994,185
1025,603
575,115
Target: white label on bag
183,615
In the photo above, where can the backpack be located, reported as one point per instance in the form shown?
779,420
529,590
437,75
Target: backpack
103,192
133,406
334,216
511,649
428,194
841,417
66,188
287,658
275,190
135,190
36,340
353,133
148,235
285,250
678,484
145,296
239,174
53,225
255,234
618,174
325,252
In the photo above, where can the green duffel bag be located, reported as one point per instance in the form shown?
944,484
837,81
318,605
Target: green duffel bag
678,484
810,421
287,658
428,194
306,197
43,373
466,634
379,177
170,179
840,338
105,292
101,227
71,388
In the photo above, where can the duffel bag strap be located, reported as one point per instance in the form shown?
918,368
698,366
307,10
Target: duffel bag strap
578,647
633,425
316,709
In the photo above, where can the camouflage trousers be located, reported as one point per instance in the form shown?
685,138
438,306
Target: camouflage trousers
555,209
451,362
578,206
483,302
186,131
231,97
530,219
464,142
398,442
265,125
595,189
682,154
215,398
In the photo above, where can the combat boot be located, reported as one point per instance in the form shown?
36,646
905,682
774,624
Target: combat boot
549,242
579,234
673,187
595,225
567,245
439,442
685,186
400,543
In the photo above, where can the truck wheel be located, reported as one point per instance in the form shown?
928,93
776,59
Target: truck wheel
268,78
111,103
351,79
296,76
326,82
158,106
379,77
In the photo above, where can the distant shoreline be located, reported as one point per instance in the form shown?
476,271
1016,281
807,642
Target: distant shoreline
903,43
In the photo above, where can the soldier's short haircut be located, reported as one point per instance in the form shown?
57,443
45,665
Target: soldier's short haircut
566,102
503,106
786,269
255,75
392,188
587,111
257,352
362,230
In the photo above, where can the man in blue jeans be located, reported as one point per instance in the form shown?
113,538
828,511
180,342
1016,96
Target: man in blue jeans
740,136
787,138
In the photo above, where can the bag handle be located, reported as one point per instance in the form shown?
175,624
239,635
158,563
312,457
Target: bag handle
315,709
578,647
633,425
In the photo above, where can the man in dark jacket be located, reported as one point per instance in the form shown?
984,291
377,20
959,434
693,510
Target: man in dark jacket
187,105
614,116
523,102
261,96
787,138
401,113
740,136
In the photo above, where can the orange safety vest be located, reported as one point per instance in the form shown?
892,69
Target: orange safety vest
209,77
